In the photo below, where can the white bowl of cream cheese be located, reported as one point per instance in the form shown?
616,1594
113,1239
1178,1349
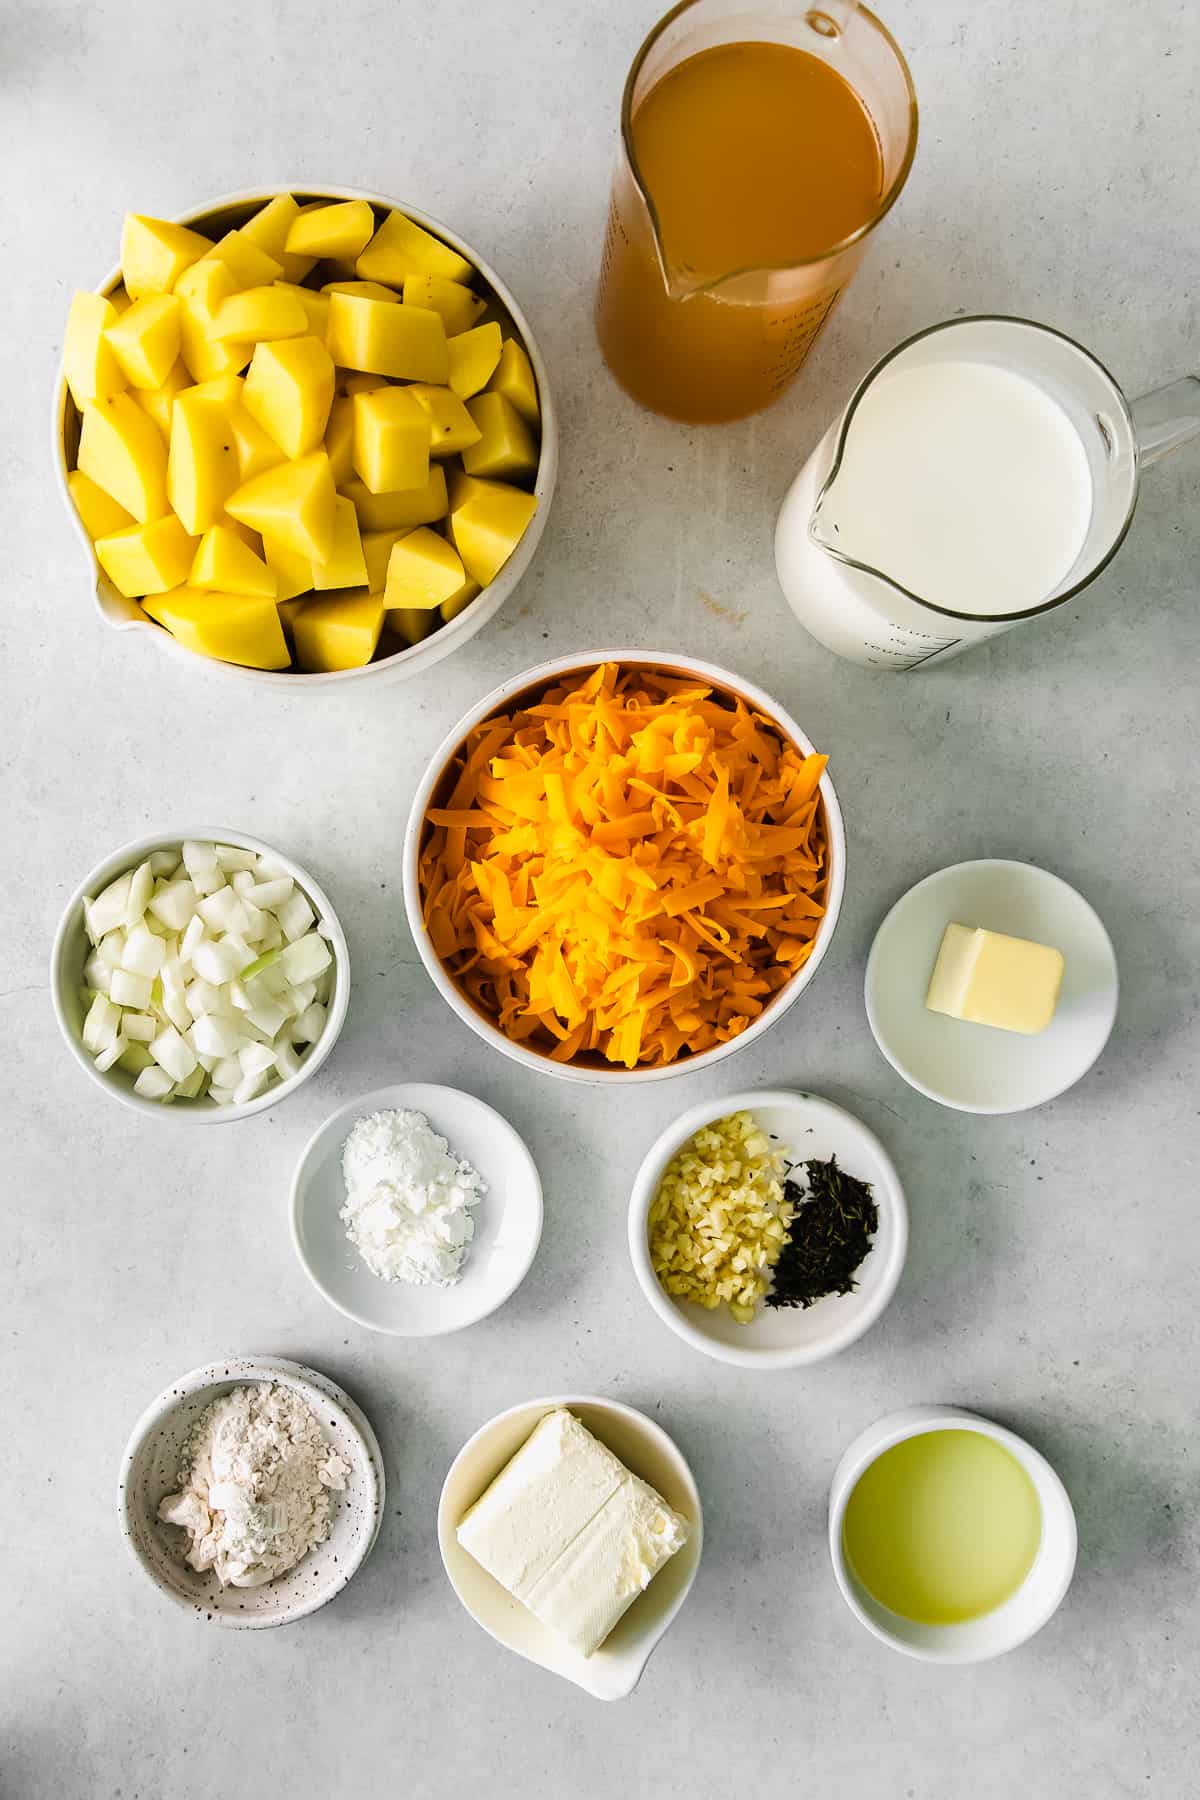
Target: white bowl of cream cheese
613,1670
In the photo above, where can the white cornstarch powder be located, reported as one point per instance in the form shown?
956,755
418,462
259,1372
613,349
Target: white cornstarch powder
255,1488
408,1199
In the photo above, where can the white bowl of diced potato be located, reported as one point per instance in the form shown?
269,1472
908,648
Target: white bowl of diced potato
201,975
350,486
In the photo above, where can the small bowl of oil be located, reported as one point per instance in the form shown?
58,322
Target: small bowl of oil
953,1540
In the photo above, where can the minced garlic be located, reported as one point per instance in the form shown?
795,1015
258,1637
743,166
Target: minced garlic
719,1221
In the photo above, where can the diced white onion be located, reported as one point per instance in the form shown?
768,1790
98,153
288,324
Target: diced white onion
127,989
309,1025
153,1083
102,1024
174,904
141,886
256,1059
113,1054
144,954
208,968
230,857
305,959
295,916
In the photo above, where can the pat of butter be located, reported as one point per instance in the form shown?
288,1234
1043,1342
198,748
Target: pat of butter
570,1532
988,978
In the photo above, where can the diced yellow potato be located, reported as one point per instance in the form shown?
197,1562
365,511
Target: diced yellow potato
289,390
120,298
201,290
145,339
121,450
155,252
256,449
89,362
362,384
423,570
506,446
382,339
403,510
249,265
342,228
260,313
287,613
225,561
473,356
147,559
487,526
451,426
455,304
235,628
514,379
367,290
338,631
292,504
339,438
100,513
463,487
461,600
269,229
376,549
159,402
345,566
292,572
391,440
202,470
400,248
412,623
315,305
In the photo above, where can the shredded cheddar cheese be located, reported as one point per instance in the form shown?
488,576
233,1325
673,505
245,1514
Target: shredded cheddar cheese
625,869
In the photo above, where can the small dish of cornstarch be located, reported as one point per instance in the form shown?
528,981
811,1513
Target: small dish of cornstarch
416,1210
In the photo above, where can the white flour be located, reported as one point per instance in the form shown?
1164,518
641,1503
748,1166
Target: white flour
255,1488
408,1199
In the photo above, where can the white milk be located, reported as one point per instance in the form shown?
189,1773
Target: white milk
963,482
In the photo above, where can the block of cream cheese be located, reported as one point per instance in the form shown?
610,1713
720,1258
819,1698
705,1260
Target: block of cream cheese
988,978
570,1532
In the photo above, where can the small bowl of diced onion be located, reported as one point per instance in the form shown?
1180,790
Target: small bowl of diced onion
203,974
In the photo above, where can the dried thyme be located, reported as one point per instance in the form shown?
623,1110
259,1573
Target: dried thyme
830,1234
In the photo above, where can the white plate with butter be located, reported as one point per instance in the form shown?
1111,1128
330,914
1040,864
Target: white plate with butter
613,1670
982,1068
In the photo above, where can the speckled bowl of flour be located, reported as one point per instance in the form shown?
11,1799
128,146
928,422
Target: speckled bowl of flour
150,1470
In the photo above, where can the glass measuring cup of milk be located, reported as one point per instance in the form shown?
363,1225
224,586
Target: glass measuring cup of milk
983,473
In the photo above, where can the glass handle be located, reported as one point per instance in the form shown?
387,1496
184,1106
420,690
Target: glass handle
1166,417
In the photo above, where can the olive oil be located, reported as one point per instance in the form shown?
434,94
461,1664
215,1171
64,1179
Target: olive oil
943,1527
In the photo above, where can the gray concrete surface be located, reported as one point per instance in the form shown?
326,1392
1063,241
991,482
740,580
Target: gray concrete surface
1052,1277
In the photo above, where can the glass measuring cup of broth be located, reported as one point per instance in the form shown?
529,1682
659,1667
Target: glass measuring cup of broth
760,146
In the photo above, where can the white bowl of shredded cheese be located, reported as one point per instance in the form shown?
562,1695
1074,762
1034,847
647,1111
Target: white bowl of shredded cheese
416,1210
308,1470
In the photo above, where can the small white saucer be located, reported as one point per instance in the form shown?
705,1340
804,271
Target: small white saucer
976,1068
508,1220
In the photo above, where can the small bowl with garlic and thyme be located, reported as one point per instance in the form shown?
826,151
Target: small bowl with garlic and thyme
768,1229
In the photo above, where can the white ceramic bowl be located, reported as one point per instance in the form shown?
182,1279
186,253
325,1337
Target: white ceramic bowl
508,694
781,1337
150,1470
71,950
976,1068
614,1670
508,1220
1035,1601
214,218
